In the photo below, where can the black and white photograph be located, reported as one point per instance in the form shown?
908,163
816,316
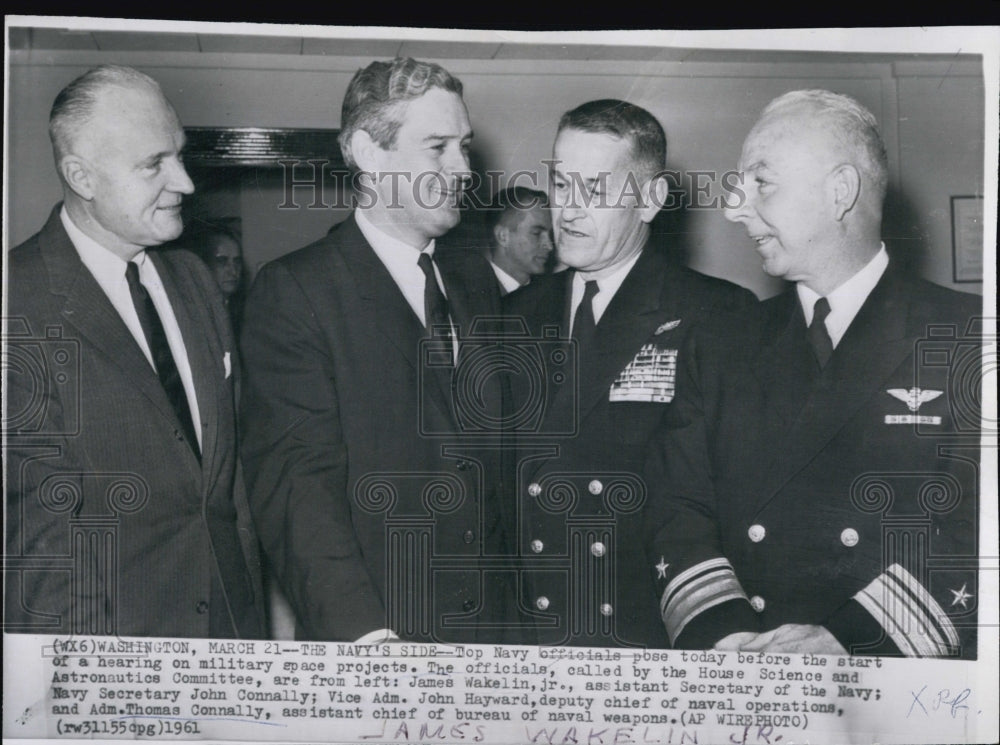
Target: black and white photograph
388,384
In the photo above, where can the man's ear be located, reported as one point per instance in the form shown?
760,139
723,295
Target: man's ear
654,196
501,234
77,174
845,183
365,151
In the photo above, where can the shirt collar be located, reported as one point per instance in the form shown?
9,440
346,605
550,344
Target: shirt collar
847,299
104,264
388,247
607,286
508,282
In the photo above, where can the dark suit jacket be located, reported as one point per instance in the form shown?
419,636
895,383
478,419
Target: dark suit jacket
374,507
818,495
579,475
113,524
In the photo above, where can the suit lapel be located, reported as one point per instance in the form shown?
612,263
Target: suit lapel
472,289
876,343
89,311
394,318
191,312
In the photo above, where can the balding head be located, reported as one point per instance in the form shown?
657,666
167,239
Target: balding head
849,130
118,143
814,170
75,106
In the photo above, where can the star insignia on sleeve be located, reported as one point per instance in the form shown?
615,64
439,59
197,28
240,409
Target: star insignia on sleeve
661,570
961,596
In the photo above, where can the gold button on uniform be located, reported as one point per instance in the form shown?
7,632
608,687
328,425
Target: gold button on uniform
595,487
757,603
597,549
849,537
756,533
537,546
542,603
534,490
606,609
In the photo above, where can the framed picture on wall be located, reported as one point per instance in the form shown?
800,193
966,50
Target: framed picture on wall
967,238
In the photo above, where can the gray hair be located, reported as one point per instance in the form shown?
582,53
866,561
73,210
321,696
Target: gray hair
75,104
854,126
378,94
625,121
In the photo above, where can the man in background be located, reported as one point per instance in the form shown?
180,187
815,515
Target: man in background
219,245
816,490
375,508
519,236
125,502
624,308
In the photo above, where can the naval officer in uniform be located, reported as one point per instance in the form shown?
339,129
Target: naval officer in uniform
620,313
816,487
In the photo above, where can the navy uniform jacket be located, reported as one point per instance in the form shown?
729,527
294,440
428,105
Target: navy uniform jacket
114,527
844,497
374,510
579,484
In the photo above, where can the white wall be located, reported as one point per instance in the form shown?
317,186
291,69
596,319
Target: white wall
932,117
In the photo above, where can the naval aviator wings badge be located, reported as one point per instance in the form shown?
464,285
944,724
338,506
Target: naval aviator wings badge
668,326
914,399
650,377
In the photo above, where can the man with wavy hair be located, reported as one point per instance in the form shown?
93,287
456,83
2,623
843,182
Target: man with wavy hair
374,509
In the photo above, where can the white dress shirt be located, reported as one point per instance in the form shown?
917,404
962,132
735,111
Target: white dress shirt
109,271
508,283
606,289
401,260
846,300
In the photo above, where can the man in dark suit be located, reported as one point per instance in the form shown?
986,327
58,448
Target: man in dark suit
519,237
816,488
374,507
626,307
126,508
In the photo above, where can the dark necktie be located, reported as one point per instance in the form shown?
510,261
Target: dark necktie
435,303
819,337
156,338
584,324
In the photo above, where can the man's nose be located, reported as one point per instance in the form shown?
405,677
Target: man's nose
569,209
180,182
457,163
737,205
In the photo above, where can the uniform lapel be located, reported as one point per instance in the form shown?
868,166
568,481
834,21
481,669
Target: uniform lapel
638,308
876,343
635,312
784,365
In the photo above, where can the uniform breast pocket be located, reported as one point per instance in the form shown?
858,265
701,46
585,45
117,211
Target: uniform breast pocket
649,378
633,422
